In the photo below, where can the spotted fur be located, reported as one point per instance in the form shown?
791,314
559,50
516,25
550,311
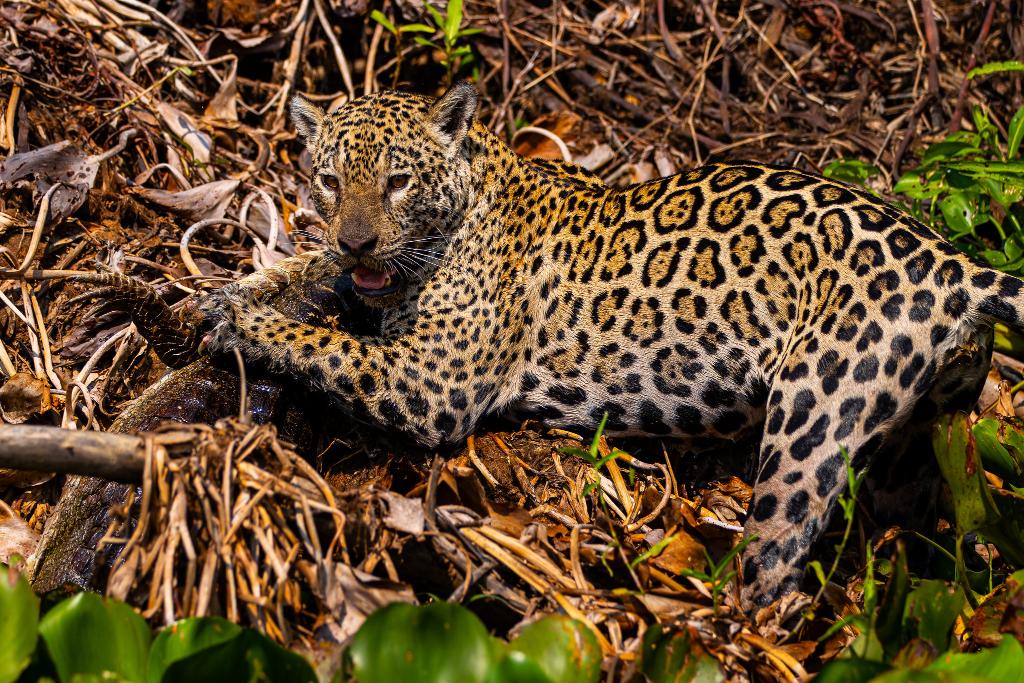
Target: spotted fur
729,301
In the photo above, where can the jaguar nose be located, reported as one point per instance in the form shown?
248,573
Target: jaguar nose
357,246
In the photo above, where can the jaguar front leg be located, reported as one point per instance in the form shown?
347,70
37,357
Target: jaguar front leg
411,383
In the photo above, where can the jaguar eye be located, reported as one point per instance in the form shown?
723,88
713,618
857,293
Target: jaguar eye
329,181
399,181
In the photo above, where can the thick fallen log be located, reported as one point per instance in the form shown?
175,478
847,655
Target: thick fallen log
117,457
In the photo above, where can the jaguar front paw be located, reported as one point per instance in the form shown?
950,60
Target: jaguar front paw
230,316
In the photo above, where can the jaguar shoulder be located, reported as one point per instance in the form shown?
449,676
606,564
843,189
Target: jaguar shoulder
731,300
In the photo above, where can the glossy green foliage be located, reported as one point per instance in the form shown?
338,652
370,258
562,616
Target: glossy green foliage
672,657
19,615
86,634
1002,664
564,649
970,187
443,642
998,514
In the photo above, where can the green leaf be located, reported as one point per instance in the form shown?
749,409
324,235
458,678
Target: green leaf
1004,663
653,551
416,28
947,149
437,16
216,651
1004,459
917,185
819,571
1008,532
960,211
672,657
186,638
420,40
994,68
19,619
564,649
1015,134
1008,341
1012,170
440,642
917,676
851,670
86,634
932,608
853,171
996,259
889,623
516,668
468,32
453,20
381,19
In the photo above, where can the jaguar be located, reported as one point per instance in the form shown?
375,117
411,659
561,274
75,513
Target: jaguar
732,301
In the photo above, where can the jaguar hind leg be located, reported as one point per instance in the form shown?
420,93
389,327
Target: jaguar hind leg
903,484
813,415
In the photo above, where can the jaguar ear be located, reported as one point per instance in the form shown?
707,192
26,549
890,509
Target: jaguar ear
307,118
451,116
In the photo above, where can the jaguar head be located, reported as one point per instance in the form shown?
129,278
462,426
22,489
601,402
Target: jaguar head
392,179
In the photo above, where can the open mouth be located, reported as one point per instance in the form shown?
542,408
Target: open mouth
370,282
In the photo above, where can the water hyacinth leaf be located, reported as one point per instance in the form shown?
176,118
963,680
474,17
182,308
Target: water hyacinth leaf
19,618
673,657
851,670
439,642
917,185
517,668
564,649
186,638
916,654
1004,663
1013,249
931,610
86,634
248,657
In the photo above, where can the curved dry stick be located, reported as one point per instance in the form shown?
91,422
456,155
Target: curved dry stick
37,235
